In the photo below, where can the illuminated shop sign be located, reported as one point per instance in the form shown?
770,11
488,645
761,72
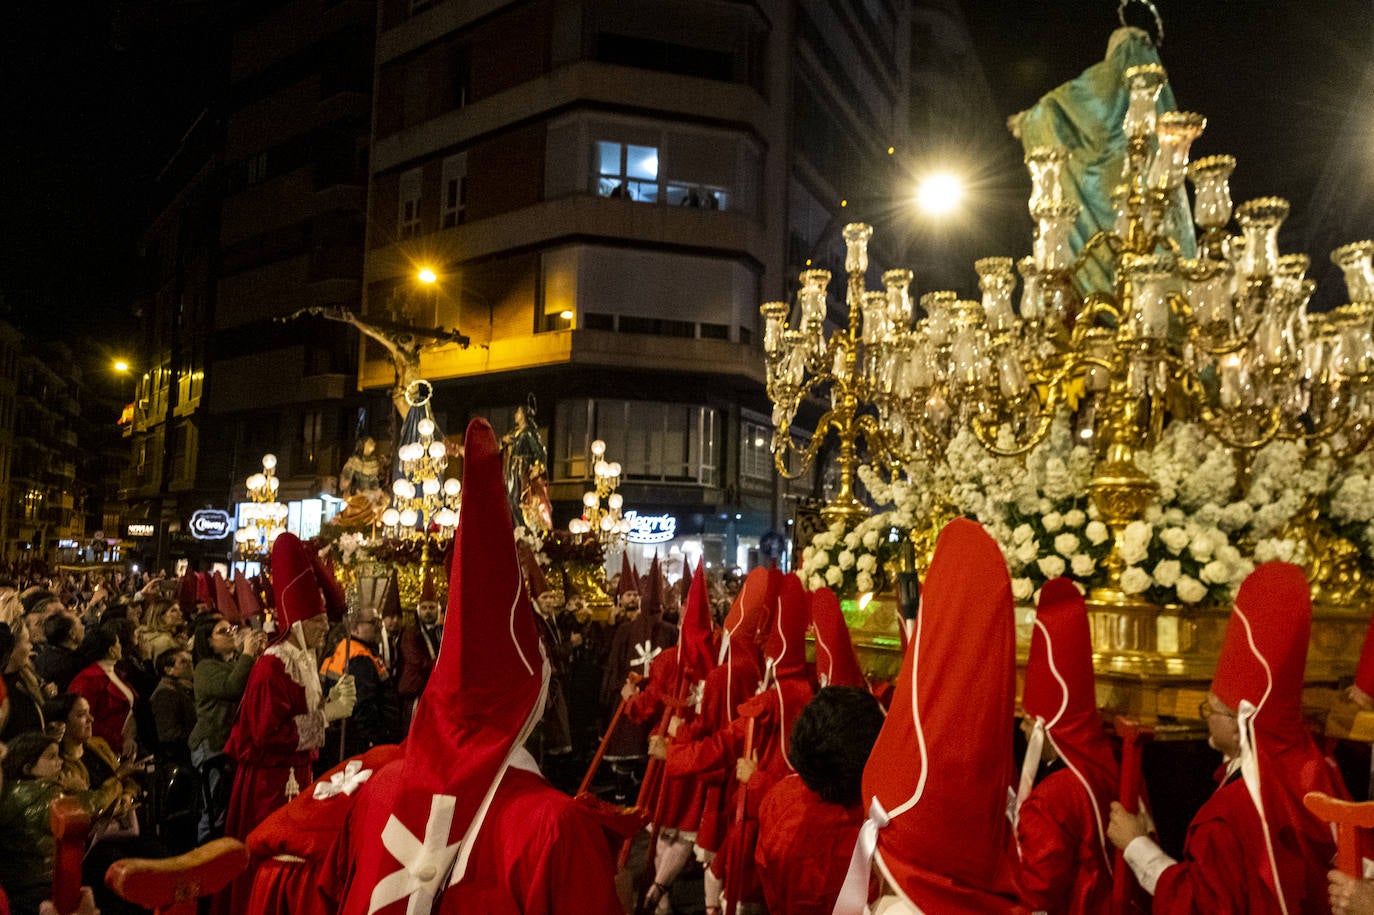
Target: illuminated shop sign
650,528
210,524
140,530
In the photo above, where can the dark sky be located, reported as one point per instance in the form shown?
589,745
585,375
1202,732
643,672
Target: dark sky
1279,82
98,93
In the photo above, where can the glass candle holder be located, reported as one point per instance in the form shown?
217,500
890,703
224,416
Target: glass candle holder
1211,179
856,236
898,285
1356,261
997,280
1046,167
1149,277
1259,221
1144,83
1176,131
1032,290
1053,251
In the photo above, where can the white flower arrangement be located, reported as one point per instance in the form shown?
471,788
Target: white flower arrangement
852,562
1209,524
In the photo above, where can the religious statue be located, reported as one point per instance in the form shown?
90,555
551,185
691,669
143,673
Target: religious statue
527,472
401,341
360,485
362,472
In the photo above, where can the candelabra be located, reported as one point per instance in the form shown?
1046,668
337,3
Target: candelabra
263,518
1223,338
857,364
422,495
601,505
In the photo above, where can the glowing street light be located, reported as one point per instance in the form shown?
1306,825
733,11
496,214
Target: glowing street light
939,193
427,276
121,366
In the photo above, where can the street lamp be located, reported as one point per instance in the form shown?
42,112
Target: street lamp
939,194
121,366
426,276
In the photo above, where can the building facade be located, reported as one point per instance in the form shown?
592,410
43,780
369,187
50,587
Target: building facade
607,190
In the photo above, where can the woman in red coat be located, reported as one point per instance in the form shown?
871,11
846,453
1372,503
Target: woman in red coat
110,697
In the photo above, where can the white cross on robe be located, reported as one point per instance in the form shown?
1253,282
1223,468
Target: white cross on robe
424,864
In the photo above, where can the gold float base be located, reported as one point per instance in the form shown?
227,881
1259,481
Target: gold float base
1155,663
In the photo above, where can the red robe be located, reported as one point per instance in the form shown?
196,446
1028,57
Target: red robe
680,798
804,848
1063,867
1222,860
296,848
276,735
539,852
727,687
773,712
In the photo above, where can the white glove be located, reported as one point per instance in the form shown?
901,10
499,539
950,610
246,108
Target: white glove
341,699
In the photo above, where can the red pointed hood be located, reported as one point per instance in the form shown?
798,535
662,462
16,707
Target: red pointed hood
629,581
836,663
246,597
936,782
295,582
651,598
484,696
224,600
1364,673
335,604
784,649
1060,694
695,648
427,592
186,594
391,602
205,589
1260,675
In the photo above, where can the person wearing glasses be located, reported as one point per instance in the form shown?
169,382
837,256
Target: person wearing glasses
223,656
221,673
1253,846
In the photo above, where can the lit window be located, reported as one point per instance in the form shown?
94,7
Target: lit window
628,171
455,185
408,215
756,454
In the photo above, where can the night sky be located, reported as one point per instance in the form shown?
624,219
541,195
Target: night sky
97,95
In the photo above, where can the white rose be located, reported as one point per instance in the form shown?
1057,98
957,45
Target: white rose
1051,566
1066,544
871,540
1097,533
1021,588
1075,518
820,560
1135,580
864,582
833,576
1082,565
846,560
1135,543
851,540
1167,572
1216,572
815,583
1174,539
866,563
808,552
1190,591
1027,552
1052,522
1201,549
1023,533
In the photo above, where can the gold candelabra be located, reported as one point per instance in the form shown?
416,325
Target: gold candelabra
1223,338
421,495
264,518
601,505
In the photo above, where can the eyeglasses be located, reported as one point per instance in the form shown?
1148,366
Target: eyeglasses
228,630
1206,710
